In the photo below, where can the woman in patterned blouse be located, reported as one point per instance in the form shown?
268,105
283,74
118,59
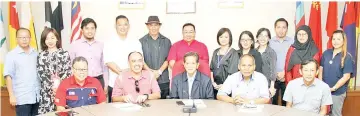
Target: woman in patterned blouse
53,65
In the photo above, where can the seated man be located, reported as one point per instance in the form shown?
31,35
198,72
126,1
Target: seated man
308,93
246,86
135,85
191,84
79,89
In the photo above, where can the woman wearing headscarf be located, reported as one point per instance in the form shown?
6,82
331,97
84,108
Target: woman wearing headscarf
303,49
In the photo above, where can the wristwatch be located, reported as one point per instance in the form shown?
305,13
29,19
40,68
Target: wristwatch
147,96
160,72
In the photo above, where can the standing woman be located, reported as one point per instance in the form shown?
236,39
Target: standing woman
268,56
303,49
53,65
246,46
336,68
224,60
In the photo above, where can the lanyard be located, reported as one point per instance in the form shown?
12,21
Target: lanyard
218,57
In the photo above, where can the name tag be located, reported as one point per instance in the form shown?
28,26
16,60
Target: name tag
71,93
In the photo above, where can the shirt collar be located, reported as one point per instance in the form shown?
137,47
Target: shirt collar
242,77
194,76
20,50
83,40
286,38
143,74
192,42
159,37
314,83
73,82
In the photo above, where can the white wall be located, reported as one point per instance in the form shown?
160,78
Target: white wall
208,19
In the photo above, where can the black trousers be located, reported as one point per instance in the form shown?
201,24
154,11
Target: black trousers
101,79
165,90
27,109
280,89
110,89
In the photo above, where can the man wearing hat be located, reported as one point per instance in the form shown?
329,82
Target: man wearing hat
155,48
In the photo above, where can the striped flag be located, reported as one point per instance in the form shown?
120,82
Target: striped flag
13,24
299,14
75,21
27,21
3,46
53,16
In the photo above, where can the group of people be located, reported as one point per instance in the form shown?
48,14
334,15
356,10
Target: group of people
56,79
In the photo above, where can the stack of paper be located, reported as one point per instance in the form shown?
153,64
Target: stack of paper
198,103
246,109
127,107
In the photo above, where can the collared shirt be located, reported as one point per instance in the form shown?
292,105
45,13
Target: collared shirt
72,94
281,49
332,70
308,98
125,85
190,82
256,87
155,54
269,64
117,50
21,67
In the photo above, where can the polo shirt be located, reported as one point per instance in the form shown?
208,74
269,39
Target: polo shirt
73,95
281,48
308,98
125,84
332,71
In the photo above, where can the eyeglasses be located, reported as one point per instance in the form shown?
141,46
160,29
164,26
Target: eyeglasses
302,34
245,40
82,70
137,86
23,38
143,104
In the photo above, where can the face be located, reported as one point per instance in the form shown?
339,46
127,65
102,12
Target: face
51,40
246,41
281,29
246,66
122,26
136,62
302,36
309,72
337,40
263,38
89,31
224,39
153,28
190,64
188,33
80,70
23,38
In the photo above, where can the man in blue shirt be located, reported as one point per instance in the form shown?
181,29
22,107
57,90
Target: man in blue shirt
21,77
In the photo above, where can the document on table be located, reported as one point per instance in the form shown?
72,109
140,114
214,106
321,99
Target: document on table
255,108
198,103
127,106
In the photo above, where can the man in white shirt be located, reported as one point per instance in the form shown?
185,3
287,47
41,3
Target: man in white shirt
116,50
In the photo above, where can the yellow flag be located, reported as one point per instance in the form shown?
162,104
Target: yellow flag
27,21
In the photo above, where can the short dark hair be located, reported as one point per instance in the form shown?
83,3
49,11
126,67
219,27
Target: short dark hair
192,54
122,17
261,30
189,24
133,53
247,55
79,59
44,35
222,31
87,21
250,35
305,62
22,28
281,19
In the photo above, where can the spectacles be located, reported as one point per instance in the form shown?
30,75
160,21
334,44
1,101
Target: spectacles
82,70
245,40
137,86
143,104
302,34
23,38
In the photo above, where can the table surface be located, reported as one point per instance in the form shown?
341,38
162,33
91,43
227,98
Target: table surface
169,107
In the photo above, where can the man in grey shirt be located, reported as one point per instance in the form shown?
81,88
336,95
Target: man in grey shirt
308,93
156,48
191,84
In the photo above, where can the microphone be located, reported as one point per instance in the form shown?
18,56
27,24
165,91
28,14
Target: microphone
190,109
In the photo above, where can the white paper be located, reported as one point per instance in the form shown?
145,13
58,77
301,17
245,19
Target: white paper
127,107
242,108
181,6
198,103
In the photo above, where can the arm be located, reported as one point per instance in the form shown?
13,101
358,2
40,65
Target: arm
323,110
288,104
347,70
321,67
65,70
288,74
113,67
225,90
174,88
9,73
172,56
206,54
118,92
288,96
10,90
273,59
101,97
155,89
209,90
60,96
258,62
171,63
109,60
72,51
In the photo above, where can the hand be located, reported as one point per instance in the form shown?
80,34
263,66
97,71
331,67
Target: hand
215,86
141,99
12,100
54,90
282,80
280,75
332,89
272,91
128,98
239,100
219,86
106,90
156,73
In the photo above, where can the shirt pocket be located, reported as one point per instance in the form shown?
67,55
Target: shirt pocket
315,100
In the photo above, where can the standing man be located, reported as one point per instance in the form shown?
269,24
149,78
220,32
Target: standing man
21,76
280,43
92,50
156,48
116,50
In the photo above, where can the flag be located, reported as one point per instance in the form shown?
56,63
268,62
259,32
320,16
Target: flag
3,47
331,22
13,24
27,21
299,14
53,16
75,21
315,24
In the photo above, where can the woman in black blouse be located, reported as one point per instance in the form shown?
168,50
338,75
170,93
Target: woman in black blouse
246,46
225,59
268,56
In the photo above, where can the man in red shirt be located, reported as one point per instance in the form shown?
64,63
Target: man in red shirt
79,89
188,44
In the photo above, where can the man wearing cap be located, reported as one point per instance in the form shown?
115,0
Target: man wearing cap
156,47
